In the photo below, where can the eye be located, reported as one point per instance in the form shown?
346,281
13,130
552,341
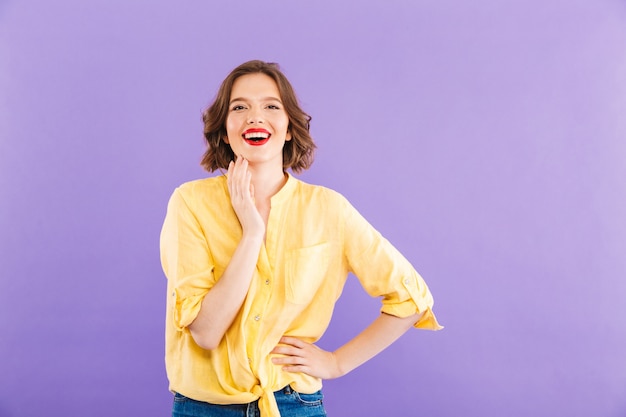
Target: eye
237,107
273,107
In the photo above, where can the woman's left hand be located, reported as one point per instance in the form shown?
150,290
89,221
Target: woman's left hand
300,356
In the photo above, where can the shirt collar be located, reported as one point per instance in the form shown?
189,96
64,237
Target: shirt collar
285,193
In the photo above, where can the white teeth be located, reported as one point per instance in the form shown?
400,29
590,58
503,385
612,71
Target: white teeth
261,135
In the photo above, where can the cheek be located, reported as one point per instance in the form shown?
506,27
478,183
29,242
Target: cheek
229,123
231,126
284,124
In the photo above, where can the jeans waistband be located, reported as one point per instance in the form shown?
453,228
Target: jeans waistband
286,390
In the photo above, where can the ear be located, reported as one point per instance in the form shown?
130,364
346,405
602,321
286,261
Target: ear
288,136
225,138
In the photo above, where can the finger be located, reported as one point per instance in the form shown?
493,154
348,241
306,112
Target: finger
236,163
240,162
247,184
229,176
292,341
287,350
231,181
241,177
297,368
289,360
239,172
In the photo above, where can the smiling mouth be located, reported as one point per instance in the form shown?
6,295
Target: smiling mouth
256,137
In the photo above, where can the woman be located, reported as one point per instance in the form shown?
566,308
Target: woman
255,260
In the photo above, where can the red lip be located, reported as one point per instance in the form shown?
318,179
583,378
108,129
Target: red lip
256,130
256,142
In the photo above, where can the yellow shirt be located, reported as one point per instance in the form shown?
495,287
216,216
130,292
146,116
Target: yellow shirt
314,239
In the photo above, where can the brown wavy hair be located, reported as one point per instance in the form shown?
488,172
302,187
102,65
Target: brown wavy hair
297,153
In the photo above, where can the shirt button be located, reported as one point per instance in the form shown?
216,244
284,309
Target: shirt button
267,282
407,281
249,360
257,318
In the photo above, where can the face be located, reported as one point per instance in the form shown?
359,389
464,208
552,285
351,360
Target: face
257,124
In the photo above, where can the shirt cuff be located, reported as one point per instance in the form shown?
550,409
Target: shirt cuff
428,321
186,309
418,301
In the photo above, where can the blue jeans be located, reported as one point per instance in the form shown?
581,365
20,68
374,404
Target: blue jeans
290,404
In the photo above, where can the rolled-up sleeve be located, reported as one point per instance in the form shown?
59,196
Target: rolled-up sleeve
186,261
384,272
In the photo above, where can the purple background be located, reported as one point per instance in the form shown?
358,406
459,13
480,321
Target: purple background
486,140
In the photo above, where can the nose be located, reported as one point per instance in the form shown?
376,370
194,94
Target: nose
254,116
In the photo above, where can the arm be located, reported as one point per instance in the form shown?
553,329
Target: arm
223,301
300,356
382,271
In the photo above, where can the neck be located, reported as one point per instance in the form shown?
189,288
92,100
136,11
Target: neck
267,182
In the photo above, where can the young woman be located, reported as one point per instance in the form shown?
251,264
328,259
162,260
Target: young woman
256,259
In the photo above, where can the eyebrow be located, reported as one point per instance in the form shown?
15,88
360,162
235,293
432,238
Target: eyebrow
262,99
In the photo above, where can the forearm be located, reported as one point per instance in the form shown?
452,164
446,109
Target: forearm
221,304
381,333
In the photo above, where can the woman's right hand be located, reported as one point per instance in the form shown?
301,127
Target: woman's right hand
242,198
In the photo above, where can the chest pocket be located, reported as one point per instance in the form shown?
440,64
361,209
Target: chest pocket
306,269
